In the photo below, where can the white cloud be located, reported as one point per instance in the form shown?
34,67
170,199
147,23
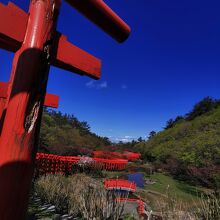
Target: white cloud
102,85
92,84
124,139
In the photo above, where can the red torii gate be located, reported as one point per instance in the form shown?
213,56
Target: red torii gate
51,163
37,45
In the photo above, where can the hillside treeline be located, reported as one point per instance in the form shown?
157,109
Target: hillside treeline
64,134
189,145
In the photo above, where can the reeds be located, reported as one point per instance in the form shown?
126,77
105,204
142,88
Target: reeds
207,207
79,195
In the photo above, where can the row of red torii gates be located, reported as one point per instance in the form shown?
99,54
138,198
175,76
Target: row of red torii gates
128,155
52,164
103,160
33,37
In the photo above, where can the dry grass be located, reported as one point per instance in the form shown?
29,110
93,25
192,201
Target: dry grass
86,197
79,195
52,189
172,209
208,208
92,200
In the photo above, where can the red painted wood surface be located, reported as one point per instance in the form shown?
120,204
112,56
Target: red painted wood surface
69,57
65,55
13,23
50,100
33,38
20,130
104,17
3,90
131,156
3,95
120,184
2,107
50,163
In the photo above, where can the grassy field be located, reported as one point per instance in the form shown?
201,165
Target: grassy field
168,186
166,189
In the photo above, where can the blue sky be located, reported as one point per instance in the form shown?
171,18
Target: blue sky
170,61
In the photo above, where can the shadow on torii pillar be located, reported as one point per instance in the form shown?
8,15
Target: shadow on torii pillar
37,45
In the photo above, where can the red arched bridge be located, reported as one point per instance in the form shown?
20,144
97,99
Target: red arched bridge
120,184
50,163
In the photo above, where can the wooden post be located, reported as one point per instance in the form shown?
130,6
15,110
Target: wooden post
22,119
36,44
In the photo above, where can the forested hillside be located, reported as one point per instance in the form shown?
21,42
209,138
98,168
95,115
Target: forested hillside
65,135
189,146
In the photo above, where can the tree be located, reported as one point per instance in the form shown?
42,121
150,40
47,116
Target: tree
178,119
152,134
140,139
133,142
202,107
63,134
169,124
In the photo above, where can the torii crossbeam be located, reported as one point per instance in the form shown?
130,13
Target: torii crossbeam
33,38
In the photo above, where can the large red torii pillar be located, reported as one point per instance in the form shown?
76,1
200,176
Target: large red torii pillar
36,44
